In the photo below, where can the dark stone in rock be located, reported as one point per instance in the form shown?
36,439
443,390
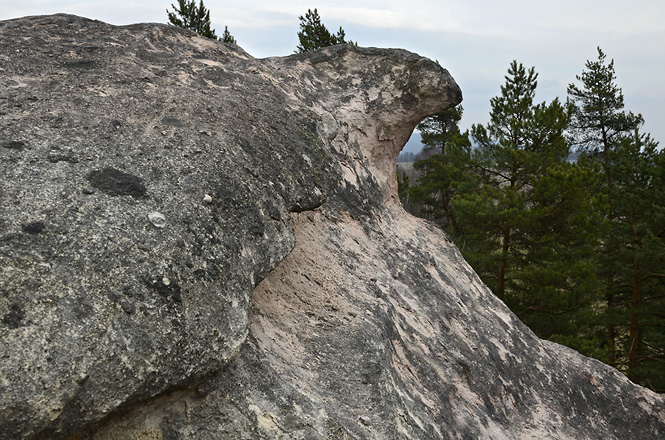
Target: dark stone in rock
14,317
250,317
33,227
14,145
117,183
58,156
129,307
168,289
174,122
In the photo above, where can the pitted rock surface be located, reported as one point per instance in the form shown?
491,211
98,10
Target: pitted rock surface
197,244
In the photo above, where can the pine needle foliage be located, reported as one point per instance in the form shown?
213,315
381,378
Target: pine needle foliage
189,15
314,35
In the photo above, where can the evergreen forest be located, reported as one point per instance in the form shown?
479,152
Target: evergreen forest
560,209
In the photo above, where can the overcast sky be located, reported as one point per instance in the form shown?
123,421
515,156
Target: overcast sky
475,39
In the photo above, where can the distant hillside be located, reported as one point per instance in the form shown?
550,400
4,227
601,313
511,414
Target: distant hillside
412,147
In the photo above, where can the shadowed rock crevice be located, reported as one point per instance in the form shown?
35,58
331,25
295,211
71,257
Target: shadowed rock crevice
215,249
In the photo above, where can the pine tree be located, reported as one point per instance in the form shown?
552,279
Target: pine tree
527,227
227,37
597,117
447,152
519,143
403,186
554,288
188,15
314,35
631,251
633,254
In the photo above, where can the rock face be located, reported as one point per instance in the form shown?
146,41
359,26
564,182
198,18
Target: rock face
196,244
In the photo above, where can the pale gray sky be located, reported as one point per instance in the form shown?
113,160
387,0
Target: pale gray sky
475,39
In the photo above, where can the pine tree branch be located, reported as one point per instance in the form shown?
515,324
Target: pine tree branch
652,275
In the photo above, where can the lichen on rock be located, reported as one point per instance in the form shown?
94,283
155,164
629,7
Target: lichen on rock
198,244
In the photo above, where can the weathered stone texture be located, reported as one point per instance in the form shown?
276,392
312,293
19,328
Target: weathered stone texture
196,244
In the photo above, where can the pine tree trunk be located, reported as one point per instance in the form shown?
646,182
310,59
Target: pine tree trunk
501,284
446,209
611,342
634,331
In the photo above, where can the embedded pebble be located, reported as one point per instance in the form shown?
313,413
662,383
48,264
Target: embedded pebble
157,219
207,198
128,307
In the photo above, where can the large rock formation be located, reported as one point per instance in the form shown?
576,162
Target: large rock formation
196,244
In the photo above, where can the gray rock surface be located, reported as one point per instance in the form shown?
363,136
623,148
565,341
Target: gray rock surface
196,244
